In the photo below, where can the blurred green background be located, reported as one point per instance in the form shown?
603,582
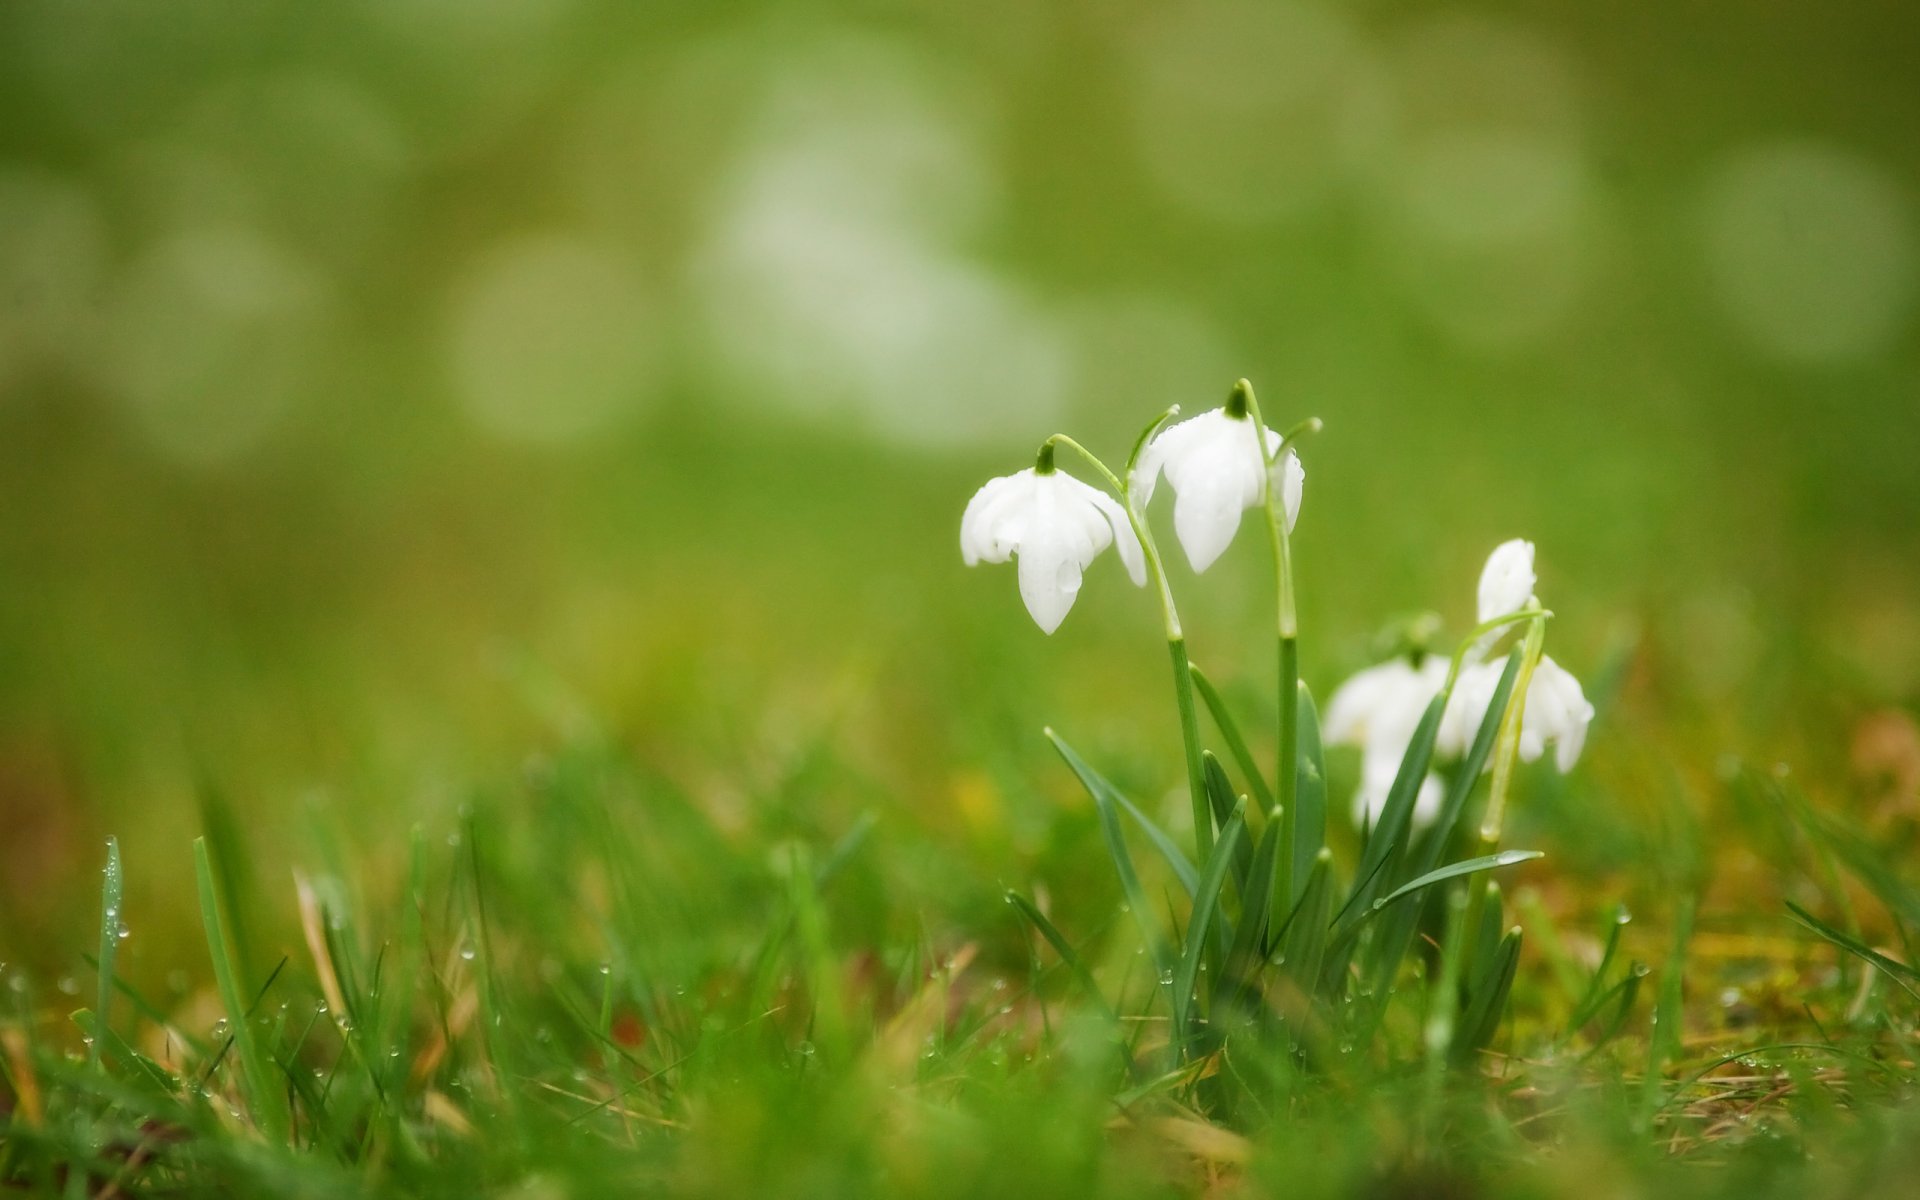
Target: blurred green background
394,393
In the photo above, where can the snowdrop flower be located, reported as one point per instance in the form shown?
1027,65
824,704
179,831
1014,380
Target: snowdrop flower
1557,711
1217,470
1506,582
1055,525
1378,711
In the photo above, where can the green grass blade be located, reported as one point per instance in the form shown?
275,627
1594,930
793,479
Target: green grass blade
1136,897
1390,833
1309,814
1175,857
1303,939
1225,804
1230,734
1352,919
1663,1039
1063,948
1627,990
269,1106
112,886
1591,1002
1205,902
1899,972
1489,999
1245,954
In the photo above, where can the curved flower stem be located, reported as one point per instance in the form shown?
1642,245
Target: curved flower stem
1176,646
1505,752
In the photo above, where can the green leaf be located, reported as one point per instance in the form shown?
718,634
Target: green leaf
1225,804
1205,901
1663,1040
1230,734
1895,970
1396,815
1351,921
1103,793
1391,942
1488,1003
1592,1000
112,886
1303,938
1176,858
1245,956
269,1105
1063,948
1309,814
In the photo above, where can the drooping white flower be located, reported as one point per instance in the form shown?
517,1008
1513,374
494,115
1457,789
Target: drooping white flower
1055,525
1217,470
1378,710
1506,582
1557,711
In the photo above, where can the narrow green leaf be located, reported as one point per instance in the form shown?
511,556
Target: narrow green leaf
1136,898
1225,804
1488,1003
1230,734
1628,989
1309,814
91,1027
1245,955
112,885
1467,776
1592,999
1176,858
269,1105
1063,948
1899,972
1663,1039
1303,938
1205,901
1351,921
1389,835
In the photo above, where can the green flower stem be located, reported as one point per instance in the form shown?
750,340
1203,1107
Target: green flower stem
1506,751
1176,647
1287,629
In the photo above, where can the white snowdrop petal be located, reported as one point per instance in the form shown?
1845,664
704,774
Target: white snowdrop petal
1506,582
1293,480
1049,581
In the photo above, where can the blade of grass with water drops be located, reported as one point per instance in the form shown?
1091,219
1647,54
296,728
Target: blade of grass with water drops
1064,948
112,887
268,1103
1309,814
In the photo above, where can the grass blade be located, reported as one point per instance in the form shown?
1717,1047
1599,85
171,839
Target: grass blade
1351,920
1899,972
1388,836
1309,814
1063,948
1102,793
112,885
1663,1040
268,1105
1175,857
1230,734
1225,805
1594,999
1204,904
1489,1001
1255,920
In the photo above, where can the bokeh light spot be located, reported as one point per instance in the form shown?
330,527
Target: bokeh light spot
1810,250
550,338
